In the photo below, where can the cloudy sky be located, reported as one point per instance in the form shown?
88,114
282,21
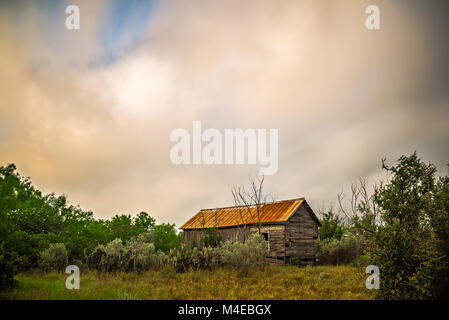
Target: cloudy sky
88,113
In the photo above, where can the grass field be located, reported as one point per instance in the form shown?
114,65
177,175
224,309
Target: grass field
274,282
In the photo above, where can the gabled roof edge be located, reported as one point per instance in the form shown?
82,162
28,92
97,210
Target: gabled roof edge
309,209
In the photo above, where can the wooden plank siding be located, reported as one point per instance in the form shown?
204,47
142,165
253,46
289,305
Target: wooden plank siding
301,232
276,236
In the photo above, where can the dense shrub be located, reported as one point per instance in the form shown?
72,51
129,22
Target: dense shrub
117,257
235,254
211,238
94,260
363,261
135,255
244,256
54,258
337,243
114,257
147,237
187,257
338,252
141,255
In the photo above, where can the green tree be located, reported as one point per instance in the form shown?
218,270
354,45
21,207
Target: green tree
121,226
125,227
331,227
166,237
439,219
411,239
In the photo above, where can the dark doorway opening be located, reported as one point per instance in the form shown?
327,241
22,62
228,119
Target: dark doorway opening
265,235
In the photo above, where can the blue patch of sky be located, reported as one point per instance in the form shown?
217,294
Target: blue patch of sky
123,27
123,24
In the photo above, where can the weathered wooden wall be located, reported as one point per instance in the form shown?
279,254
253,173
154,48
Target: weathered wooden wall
276,236
301,233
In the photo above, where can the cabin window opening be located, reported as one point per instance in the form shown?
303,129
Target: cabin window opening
267,238
265,235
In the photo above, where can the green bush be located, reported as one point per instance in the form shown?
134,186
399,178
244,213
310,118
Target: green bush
211,238
160,260
244,255
331,227
54,258
141,255
187,257
363,261
135,255
339,252
94,260
115,256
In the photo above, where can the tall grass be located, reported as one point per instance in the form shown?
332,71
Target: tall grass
273,282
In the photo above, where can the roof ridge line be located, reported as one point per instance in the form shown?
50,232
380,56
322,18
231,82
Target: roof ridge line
251,205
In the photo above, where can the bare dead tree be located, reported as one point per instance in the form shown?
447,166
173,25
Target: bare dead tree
258,198
236,202
360,209
243,209
251,203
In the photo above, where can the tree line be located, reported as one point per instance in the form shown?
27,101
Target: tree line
30,221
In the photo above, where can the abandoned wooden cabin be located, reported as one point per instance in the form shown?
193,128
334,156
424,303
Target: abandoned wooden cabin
289,226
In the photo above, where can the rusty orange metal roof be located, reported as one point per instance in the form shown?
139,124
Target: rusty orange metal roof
273,212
